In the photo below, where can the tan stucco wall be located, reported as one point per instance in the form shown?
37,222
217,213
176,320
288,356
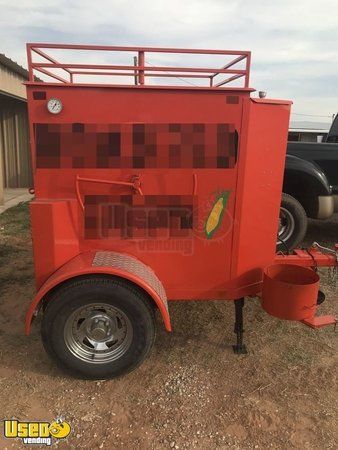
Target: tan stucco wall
11,83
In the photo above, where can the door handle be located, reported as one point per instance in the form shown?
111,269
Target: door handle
135,184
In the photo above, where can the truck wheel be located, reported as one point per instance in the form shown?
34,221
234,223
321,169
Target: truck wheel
292,224
98,327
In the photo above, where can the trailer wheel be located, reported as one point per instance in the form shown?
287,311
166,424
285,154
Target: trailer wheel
292,224
98,327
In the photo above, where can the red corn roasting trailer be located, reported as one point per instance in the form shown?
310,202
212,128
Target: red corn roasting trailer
154,183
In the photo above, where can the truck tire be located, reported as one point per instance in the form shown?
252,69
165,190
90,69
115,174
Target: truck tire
98,327
292,224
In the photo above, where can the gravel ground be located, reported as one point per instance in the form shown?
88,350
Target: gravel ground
192,392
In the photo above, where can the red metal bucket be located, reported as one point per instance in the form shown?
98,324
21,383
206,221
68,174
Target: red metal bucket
290,292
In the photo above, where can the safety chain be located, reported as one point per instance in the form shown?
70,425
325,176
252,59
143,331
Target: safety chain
332,271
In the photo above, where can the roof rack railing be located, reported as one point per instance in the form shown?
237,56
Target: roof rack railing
140,70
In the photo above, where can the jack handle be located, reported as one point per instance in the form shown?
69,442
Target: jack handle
135,184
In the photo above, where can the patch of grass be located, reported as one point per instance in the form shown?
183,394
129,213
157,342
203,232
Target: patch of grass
297,355
16,275
15,221
15,247
5,251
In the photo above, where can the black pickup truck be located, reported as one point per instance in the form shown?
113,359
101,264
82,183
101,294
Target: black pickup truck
310,187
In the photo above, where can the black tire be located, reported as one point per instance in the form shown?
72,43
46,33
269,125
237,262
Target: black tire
110,304
292,232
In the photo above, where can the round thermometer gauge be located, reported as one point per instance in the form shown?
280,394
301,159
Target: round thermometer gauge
54,105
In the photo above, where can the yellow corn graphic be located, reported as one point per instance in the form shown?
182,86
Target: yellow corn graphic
215,217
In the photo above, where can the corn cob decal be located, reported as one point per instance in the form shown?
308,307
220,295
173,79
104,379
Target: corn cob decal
214,219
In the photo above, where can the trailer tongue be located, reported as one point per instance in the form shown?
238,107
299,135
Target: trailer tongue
149,190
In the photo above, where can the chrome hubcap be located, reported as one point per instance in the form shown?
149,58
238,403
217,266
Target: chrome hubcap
286,225
98,333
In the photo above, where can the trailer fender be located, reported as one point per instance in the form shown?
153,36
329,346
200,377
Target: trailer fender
108,263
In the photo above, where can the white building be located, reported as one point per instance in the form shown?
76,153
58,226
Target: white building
308,131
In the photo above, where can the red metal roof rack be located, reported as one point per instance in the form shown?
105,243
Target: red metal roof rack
236,66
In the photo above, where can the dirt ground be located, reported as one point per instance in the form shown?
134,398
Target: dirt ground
192,392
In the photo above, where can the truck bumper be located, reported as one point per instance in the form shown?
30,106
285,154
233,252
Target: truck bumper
326,206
